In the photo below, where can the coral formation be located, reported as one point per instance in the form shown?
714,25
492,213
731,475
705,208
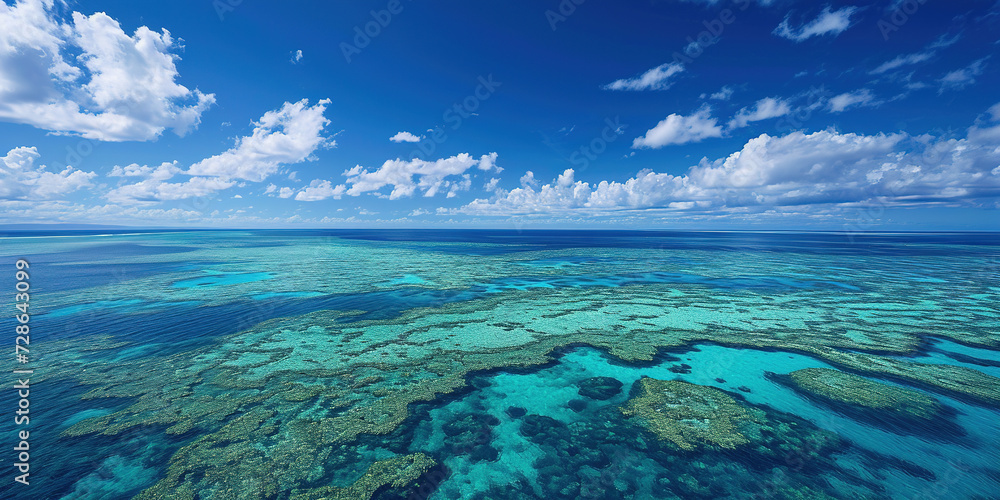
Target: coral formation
690,415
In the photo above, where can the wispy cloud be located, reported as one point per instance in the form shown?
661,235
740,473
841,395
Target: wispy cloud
657,78
829,22
858,98
961,78
766,108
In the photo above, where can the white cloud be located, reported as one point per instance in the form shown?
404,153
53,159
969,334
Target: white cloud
491,185
984,133
431,176
20,179
320,190
829,21
404,137
654,79
678,129
286,192
296,56
489,162
768,107
418,212
154,187
919,57
861,97
287,135
528,180
961,78
823,168
903,60
284,136
723,94
115,87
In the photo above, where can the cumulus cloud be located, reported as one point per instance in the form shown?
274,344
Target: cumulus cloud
404,137
406,177
20,179
657,78
85,76
528,180
287,135
823,168
829,22
320,190
961,78
987,131
861,97
723,94
679,129
768,107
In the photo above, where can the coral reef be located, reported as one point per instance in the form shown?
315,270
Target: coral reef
600,388
689,415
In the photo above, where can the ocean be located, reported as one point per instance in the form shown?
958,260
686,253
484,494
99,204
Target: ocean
454,364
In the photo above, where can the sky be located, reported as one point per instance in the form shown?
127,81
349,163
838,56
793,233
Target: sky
656,114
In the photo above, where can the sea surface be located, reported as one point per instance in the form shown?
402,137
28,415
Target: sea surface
505,364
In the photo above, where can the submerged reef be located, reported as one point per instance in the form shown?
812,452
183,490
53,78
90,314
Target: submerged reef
690,415
896,408
309,403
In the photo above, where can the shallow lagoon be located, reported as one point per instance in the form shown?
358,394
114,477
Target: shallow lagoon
386,364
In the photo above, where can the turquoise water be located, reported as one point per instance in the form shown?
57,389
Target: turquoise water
477,364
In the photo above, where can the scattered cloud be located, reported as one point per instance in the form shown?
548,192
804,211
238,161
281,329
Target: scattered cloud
961,78
283,136
768,107
20,179
657,78
320,190
296,56
829,22
288,135
861,97
797,169
407,177
116,87
909,59
679,129
404,137
723,94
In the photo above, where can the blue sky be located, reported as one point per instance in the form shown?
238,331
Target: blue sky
702,114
